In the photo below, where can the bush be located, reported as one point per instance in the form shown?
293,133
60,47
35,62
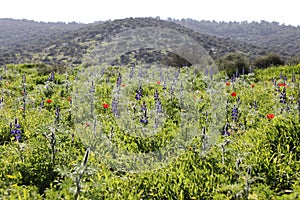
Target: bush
294,60
269,60
232,62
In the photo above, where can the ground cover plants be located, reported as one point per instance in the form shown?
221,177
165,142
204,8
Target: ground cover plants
61,139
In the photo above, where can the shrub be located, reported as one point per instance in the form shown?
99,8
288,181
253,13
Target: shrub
268,60
232,62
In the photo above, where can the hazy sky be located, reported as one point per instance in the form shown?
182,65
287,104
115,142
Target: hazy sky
87,11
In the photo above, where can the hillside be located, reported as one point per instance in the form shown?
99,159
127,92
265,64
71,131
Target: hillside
20,39
271,36
65,44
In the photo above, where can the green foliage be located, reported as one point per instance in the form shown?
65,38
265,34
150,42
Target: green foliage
259,160
233,62
269,60
274,72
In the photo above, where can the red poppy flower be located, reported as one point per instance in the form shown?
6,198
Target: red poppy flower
105,105
49,101
158,82
87,124
69,99
281,84
270,116
252,85
233,94
123,85
228,83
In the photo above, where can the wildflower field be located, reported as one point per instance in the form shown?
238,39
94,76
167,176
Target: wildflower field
138,133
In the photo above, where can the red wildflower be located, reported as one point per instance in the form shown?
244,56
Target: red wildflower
23,93
228,83
69,99
105,105
233,94
158,82
87,124
49,101
270,116
123,85
281,84
252,85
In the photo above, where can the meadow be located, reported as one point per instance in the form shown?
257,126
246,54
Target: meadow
137,133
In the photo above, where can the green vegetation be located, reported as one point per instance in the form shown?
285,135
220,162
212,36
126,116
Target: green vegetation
233,63
255,155
70,132
267,61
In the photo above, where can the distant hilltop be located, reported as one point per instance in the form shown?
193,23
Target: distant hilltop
24,41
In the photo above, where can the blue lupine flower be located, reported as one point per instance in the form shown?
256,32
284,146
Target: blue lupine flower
232,79
137,96
92,90
18,137
176,74
171,89
119,80
57,114
280,76
274,81
225,131
1,100
144,107
156,97
287,108
234,113
16,130
131,73
165,86
114,106
195,71
283,96
255,105
156,122
102,71
161,75
51,77
158,107
238,99
140,90
144,120
139,93
140,73
236,73
206,72
42,103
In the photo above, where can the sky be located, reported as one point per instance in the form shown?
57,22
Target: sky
283,11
